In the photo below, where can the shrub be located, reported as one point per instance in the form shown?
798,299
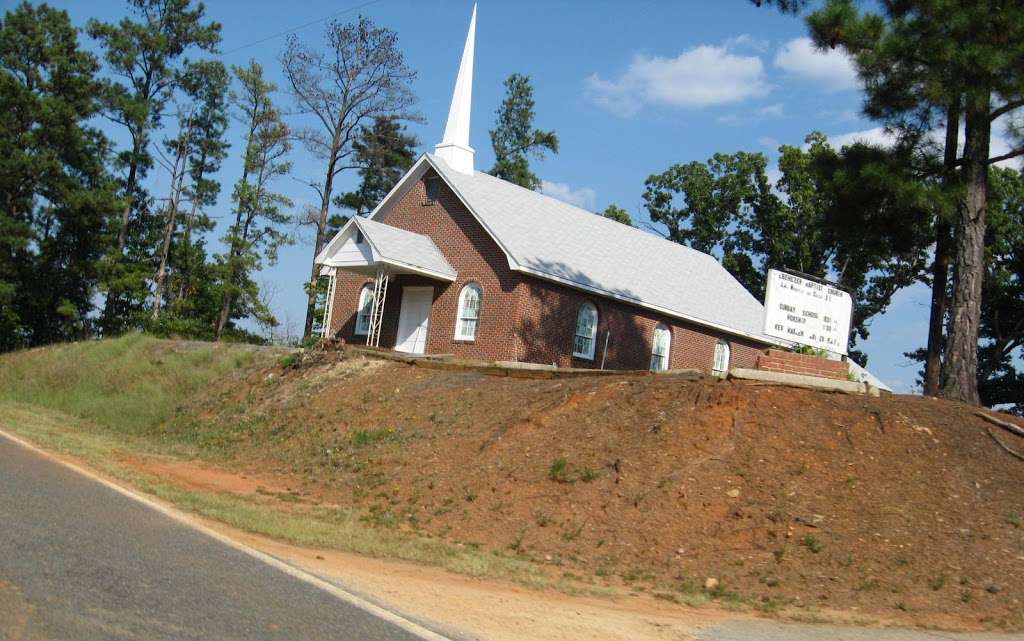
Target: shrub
559,470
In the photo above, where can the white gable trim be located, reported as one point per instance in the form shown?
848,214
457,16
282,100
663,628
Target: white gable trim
654,308
345,232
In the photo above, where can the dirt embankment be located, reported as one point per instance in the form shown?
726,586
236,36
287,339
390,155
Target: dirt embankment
899,507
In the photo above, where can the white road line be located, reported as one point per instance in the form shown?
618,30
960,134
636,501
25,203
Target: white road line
188,520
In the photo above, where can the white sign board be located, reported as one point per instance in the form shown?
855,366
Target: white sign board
807,312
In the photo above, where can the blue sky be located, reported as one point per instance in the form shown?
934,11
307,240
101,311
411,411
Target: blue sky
630,88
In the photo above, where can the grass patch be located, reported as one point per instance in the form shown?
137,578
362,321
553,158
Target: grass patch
559,470
129,385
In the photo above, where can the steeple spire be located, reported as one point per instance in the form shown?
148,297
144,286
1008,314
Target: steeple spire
454,148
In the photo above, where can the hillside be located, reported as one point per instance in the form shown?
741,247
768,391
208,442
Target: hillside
902,508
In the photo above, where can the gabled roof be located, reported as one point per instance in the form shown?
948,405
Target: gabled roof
406,250
556,241
552,239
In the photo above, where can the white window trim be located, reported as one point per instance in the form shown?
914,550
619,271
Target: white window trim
714,358
459,336
668,346
593,332
367,291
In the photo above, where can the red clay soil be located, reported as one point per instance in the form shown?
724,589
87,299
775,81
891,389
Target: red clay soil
901,507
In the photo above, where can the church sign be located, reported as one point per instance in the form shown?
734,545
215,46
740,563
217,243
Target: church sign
807,312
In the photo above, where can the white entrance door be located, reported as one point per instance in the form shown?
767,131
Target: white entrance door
414,319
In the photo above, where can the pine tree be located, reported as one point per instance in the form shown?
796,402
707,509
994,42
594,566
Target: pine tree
383,152
194,294
361,76
196,151
1000,375
256,233
920,60
55,192
514,137
147,56
618,214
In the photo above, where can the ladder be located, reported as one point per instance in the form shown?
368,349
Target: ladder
380,292
325,330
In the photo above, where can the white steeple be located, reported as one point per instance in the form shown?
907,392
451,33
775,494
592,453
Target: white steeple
454,148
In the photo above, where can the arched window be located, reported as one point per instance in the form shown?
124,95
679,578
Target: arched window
661,347
364,310
720,365
469,312
586,331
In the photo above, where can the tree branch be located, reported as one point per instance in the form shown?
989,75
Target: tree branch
1008,107
1013,153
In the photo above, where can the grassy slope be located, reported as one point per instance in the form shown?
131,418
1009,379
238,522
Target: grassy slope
100,401
409,461
130,385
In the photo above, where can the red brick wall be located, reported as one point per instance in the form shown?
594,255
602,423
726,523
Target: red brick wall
521,317
547,328
476,258
774,360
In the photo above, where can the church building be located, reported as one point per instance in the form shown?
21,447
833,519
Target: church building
455,261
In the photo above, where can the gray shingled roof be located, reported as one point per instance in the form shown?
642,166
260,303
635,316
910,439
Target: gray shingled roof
410,248
554,239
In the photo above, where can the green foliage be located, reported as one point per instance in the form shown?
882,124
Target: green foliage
1001,351
130,384
192,294
785,6
256,232
360,75
811,543
857,215
559,470
56,190
617,214
514,137
383,152
148,56
364,438
974,72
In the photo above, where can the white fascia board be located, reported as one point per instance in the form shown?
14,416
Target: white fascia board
420,270
655,308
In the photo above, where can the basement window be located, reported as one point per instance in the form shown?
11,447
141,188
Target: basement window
433,189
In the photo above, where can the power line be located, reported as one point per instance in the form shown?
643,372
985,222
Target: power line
302,26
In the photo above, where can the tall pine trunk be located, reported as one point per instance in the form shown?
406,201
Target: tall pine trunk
111,304
940,265
321,240
961,369
177,185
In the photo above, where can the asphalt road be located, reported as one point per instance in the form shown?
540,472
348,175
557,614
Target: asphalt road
80,561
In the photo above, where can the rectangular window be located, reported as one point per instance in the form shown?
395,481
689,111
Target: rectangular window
433,189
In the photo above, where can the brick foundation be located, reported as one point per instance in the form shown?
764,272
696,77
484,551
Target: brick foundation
775,360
